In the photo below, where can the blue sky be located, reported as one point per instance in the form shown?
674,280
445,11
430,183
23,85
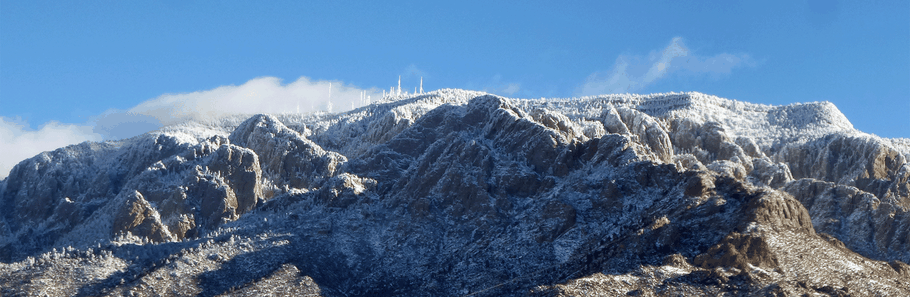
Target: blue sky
91,70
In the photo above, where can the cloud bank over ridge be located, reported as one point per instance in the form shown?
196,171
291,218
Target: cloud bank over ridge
258,95
17,142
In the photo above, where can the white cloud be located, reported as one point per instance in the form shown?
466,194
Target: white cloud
626,75
259,95
18,143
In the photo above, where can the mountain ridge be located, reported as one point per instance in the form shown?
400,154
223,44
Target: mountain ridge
453,192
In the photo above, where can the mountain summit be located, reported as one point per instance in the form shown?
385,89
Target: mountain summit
457,193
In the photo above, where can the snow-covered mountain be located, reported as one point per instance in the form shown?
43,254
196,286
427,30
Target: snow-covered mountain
458,192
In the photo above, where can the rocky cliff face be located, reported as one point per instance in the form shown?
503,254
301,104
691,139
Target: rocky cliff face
464,193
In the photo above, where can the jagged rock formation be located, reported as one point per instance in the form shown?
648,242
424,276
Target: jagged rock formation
464,193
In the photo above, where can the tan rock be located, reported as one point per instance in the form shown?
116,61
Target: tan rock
138,217
739,251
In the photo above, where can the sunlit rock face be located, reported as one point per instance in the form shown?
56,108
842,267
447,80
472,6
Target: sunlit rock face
457,192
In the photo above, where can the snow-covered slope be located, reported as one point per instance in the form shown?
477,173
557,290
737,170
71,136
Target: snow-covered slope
458,192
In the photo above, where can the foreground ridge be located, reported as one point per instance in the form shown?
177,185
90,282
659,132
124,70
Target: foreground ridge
457,192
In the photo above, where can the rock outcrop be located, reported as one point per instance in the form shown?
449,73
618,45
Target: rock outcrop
289,158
